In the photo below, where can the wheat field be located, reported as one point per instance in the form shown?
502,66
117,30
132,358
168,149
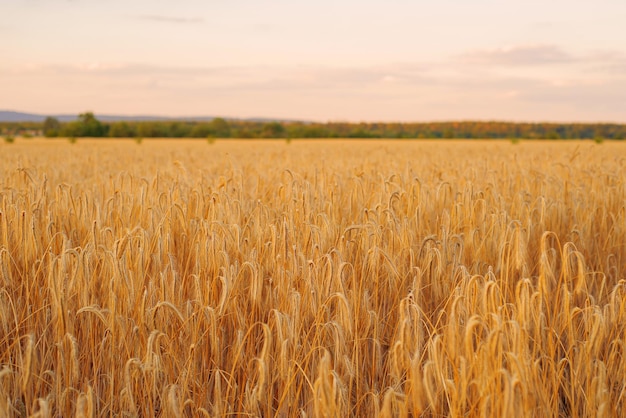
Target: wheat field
312,279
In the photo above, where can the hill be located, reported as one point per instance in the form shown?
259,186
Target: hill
12,116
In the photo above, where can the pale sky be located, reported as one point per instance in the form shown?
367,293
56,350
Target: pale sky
323,60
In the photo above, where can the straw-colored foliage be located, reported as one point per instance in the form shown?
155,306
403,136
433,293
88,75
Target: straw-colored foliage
326,279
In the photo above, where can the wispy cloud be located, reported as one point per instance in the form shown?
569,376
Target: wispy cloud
403,91
518,55
237,77
609,62
170,19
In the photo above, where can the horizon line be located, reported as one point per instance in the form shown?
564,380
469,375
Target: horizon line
130,116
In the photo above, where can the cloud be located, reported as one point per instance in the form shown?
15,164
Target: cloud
170,19
402,91
519,55
609,62
341,80
238,77
542,62
584,94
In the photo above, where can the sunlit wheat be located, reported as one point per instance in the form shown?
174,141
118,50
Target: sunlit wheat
326,279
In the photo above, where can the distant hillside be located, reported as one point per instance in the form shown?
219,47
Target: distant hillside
12,116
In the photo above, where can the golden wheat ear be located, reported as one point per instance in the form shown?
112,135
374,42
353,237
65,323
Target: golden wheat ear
332,278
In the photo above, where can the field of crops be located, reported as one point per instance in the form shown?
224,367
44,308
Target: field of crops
312,278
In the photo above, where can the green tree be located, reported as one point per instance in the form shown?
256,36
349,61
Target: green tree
147,130
219,128
273,130
553,135
86,125
200,130
51,127
179,130
90,126
122,130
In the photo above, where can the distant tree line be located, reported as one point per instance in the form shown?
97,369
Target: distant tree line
87,125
